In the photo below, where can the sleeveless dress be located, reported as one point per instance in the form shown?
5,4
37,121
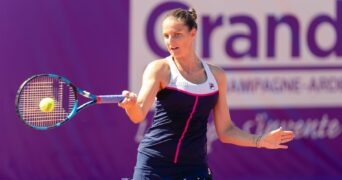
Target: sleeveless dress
175,146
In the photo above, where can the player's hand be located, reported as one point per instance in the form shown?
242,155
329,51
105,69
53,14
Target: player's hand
129,101
276,139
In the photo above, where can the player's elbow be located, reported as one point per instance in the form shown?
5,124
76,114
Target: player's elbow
136,114
226,135
137,120
224,138
137,117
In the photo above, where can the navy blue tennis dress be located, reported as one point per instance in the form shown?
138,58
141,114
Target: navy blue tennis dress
175,146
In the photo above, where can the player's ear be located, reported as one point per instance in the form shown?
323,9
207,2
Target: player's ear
193,32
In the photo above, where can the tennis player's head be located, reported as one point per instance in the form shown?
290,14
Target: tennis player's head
179,31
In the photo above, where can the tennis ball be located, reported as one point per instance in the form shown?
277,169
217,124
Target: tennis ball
47,105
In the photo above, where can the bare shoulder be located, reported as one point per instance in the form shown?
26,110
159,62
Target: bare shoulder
159,67
158,64
158,70
218,72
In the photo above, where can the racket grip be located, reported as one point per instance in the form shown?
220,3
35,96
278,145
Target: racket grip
107,99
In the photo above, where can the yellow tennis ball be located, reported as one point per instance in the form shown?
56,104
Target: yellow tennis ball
47,105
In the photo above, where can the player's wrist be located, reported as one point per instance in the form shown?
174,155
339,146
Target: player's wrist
258,141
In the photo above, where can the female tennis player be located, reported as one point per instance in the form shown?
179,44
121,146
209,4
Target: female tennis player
186,89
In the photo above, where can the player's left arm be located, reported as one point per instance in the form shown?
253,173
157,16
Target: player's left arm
229,133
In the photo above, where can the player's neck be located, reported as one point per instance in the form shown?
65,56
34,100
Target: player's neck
188,64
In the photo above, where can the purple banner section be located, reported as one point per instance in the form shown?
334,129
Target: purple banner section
87,42
316,153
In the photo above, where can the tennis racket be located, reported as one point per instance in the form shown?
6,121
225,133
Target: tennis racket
63,96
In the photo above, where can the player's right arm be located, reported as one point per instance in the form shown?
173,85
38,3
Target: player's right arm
154,78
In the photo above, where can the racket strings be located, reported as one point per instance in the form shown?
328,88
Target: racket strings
42,87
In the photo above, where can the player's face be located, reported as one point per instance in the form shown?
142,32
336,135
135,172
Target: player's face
177,37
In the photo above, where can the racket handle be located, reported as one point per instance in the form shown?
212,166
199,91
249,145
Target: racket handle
106,99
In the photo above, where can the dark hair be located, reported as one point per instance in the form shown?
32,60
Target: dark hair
188,17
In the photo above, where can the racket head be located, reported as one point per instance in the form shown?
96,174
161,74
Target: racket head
38,87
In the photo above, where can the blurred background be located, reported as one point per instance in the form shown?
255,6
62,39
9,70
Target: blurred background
283,61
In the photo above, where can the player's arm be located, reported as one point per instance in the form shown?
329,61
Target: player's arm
225,128
137,107
229,133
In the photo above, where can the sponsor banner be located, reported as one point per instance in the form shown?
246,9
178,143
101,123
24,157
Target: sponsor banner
283,62
285,52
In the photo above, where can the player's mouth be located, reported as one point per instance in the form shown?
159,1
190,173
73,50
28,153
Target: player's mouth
174,48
